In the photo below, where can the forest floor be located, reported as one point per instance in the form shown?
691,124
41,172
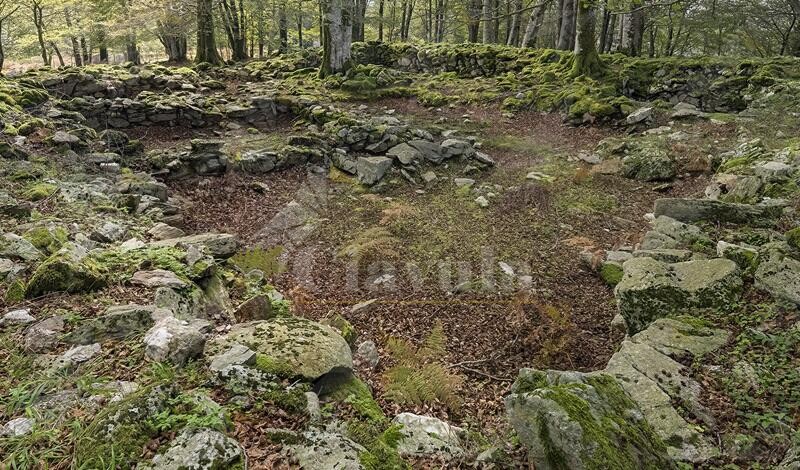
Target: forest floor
562,322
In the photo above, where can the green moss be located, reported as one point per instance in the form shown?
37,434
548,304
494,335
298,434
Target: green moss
380,442
40,191
793,238
46,239
15,292
63,272
357,395
120,264
611,273
345,328
30,126
432,98
274,366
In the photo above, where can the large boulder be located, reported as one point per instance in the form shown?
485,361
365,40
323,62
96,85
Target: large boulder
649,164
326,449
652,289
404,153
118,322
290,345
647,367
14,246
68,270
581,421
175,341
198,449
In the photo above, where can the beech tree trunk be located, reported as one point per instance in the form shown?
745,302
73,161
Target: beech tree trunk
38,21
587,60
489,29
566,35
337,35
381,5
358,20
474,26
516,19
283,29
206,43
534,24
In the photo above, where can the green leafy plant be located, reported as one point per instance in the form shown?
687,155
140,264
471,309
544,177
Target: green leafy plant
261,259
419,375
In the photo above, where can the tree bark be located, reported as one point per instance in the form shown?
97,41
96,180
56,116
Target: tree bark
233,19
337,36
283,29
38,22
381,6
489,31
566,35
358,20
474,26
587,60
516,20
534,24
58,53
206,43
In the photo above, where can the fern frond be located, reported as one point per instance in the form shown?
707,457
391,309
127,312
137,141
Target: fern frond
435,346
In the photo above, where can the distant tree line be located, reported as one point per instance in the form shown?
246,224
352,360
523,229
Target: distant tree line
67,32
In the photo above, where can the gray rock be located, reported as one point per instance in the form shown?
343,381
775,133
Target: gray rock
183,303
665,255
238,355
482,201
646,367
640,115
158,278
108,233
651,289
307,348
484,158
257,162
43,336
430,150
367,355
463,182
686,110
695,210
649,163
175,341
198,449
162,231
118,322
542,408
77,355
17,427
17,317
773,172
370,170
404,153
429,177
326,450
15,247
780,276
425,436
313,407
258,307
61,137
455,147
791,460
746,257
219,245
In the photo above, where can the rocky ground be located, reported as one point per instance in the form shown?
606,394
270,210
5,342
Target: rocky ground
449,257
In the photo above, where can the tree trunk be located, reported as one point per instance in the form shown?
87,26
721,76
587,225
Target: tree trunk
380,19
516,19
38,21
587,60
86,51
206,43
132,50
566,35
474,26
534,24
337,36
58,53
77,59
2,52
489,32
283,29
233,17
795,42
358,20
300,29
174,42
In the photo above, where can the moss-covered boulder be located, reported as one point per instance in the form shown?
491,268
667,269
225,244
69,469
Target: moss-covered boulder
570,420
199,449
289,346
68,270
651,289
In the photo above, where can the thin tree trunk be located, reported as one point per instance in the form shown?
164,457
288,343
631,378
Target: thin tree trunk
38,21
475,10
283,29
73,40
534,24
566,35
381,4
58,53
489,33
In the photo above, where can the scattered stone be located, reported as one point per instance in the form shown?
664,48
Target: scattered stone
199,449
175,341
455,147
158,278
238,355
61,137
425,436
780,276
482,201
539,176
640,115
258,307
109,232
429,177
77,355
367,355
695,210
17,427
370,170
17,317
364,306
65,271
404,153
219,245
327,450
162,231
43,336
15,247
461,182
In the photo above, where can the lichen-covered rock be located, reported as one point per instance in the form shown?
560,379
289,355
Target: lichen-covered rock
290,346
219,245
647,367
68,270
649,164
581,421
780,276
652,289
199,449
696,210
326,449
175,341
14,246
425,436
404,153
117,322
